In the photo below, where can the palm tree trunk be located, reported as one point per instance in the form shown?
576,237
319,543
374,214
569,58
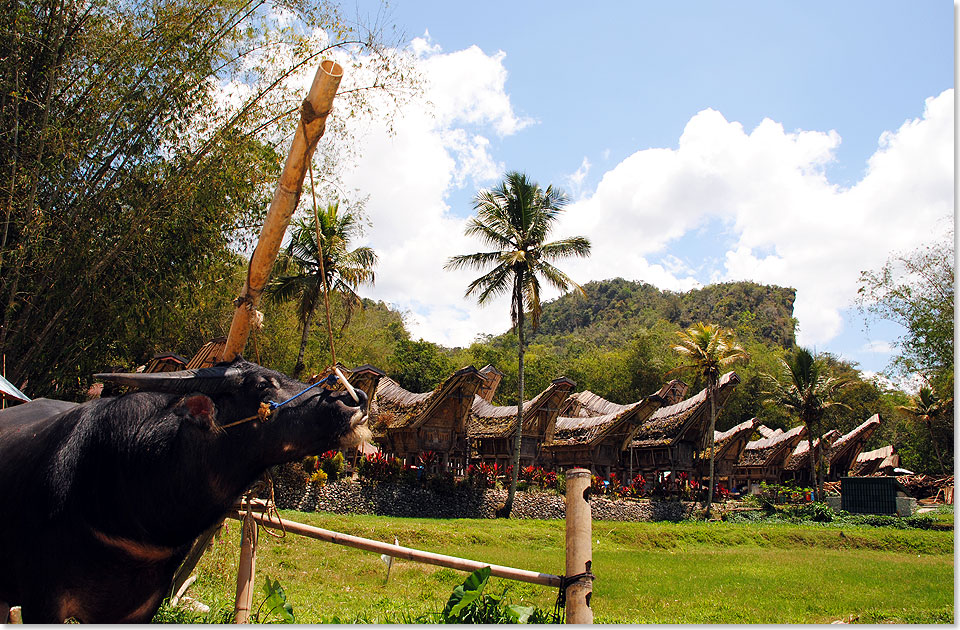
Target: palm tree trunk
711,394
298,368
813,460
518,436
821,468
936,448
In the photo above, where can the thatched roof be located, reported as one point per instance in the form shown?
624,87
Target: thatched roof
853,441
800,457
394,407
765,451
491,421
591,430
209,354
766,431
491,380
586,404
685,419
723,441
165,362
884,458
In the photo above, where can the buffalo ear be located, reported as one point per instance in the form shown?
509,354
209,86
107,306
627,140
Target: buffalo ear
199,409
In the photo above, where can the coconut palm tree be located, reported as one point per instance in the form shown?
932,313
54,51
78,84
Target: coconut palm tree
514,218
707,349
926,407
345,269
806,389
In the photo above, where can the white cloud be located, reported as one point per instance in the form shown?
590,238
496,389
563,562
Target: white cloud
878,347
438,145
576,179
785,222
791,226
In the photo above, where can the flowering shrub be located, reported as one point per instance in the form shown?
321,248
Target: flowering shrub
483,475
550,480
332,464
597,486
318,476
377,467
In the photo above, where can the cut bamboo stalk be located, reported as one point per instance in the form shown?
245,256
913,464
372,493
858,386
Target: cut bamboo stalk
579,529
246,570
193,557
426,557
313,118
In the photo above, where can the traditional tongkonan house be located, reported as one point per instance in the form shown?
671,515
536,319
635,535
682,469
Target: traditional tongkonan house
209,354
728,446
843,453
406,424
597,441
797,467
491,380
492,428
763,459
672,438
881,461
165,362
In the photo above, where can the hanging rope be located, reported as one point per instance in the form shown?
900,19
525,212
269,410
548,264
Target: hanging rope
323,272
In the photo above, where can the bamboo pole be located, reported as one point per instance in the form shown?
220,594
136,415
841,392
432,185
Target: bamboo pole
313,119
246,570
579,552
426,557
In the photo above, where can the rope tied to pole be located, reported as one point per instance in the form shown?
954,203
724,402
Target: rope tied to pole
559,609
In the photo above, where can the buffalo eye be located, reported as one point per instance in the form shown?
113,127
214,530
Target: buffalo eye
266,385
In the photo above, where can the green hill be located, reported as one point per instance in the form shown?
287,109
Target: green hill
618,303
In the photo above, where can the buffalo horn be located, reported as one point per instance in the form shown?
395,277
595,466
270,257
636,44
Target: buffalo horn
212,380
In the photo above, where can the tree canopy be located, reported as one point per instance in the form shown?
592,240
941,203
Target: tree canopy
138,152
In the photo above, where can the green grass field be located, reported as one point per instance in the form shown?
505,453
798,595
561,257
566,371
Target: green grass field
645,572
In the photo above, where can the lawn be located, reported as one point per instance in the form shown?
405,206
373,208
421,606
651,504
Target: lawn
690,572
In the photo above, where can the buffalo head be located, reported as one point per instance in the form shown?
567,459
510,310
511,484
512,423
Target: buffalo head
317,420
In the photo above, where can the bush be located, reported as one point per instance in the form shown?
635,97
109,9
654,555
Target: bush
378,468
468,604
332,464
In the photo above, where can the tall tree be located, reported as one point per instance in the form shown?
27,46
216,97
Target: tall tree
138,149
327,265
707,349
807,389
916,290
515,218
926,407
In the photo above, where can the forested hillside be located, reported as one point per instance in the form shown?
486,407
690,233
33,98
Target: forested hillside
612,305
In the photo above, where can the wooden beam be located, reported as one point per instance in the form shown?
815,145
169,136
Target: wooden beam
426,557
313,118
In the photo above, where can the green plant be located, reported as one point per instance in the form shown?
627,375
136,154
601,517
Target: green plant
332,463
274,601
318,476
469,604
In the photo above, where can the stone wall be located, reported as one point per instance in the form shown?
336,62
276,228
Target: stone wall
294,492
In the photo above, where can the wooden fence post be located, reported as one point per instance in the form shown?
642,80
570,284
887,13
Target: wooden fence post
579,550
246,570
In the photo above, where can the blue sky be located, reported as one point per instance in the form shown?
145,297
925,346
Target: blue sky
700,141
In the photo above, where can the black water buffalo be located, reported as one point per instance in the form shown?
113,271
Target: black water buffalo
101,501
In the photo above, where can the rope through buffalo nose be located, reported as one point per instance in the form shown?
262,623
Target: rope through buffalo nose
268,409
